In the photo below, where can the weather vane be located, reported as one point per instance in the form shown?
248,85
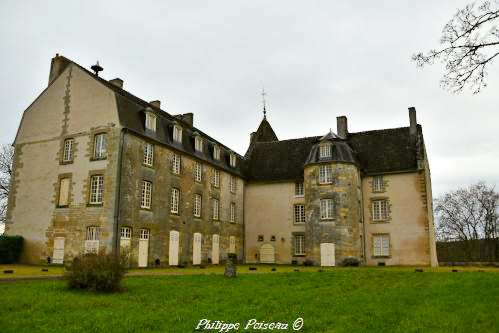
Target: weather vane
263,95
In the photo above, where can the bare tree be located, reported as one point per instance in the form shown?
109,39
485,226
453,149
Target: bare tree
470,42
6,159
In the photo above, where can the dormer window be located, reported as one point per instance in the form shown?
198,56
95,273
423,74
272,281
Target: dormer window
325,150
177,133
198,143
216,153
150,121
232,160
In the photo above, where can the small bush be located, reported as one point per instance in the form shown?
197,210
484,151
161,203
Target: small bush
10,249
350,262
308,262
97,272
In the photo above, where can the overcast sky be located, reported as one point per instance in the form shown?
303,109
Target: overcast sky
317,60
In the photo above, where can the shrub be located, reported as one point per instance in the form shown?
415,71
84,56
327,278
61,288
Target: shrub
97,272
350,262
308,262
10,249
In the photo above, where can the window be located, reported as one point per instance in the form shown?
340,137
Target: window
325,174
378,185
174,201
151,121
232,212
197,205
232,244
216,178
92,240
216,153
299,214
144,234
126,233
93,233
299,245
176,164
64,192
381,245
198,172
146,194
232,184
68,150
380,211
177,133
216,209
272,238
232,160
299,189
100,146
260,238
198,143
325,150
96,189
148,154
327,209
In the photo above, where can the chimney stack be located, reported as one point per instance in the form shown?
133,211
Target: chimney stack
341,127
186,118
57,66
413,124
117,82
156,104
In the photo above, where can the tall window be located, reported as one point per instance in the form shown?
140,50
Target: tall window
299,214
299,189
177,133
299,245
151,121
198,143
325,174
197,205
64,192
232,184
325,150
232,159
174,200
198,172
216,153
378,185
232,212
381,245
176,164
148,154
216,209
96,189
327,209
68,150
146,194
216,178
92,240
100,146
380,212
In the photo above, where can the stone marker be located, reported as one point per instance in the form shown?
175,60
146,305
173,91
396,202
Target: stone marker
230,266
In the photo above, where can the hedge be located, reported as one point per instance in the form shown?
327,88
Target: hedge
10,249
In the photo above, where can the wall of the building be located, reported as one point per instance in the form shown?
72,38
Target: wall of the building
407,224
159,221
269,211
73,106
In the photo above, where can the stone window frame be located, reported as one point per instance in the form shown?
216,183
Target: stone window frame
63,159
215,209
197,205
175,204
176,168
378,184
144,234
148,159
145,194
198,143
91,174
150,121
198,171
177,133
328,171
388,217
295,235
216,178
302,218
93,233
381,234
95,134
58,189
233,184
299,189
329,217
232,212
125,228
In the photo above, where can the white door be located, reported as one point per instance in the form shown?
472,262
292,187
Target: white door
267,255
215,251
327,254
143,247
58,257
125,240
173,251
232,244
196,249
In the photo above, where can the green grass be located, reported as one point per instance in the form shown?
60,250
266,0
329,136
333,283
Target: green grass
341,300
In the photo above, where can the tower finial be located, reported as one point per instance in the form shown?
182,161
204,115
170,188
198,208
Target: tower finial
264,111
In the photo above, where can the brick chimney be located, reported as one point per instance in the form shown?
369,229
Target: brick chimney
341,127
413,124
117,82
57,66
186,118
156,104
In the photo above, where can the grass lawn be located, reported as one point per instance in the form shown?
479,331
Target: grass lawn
341,300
